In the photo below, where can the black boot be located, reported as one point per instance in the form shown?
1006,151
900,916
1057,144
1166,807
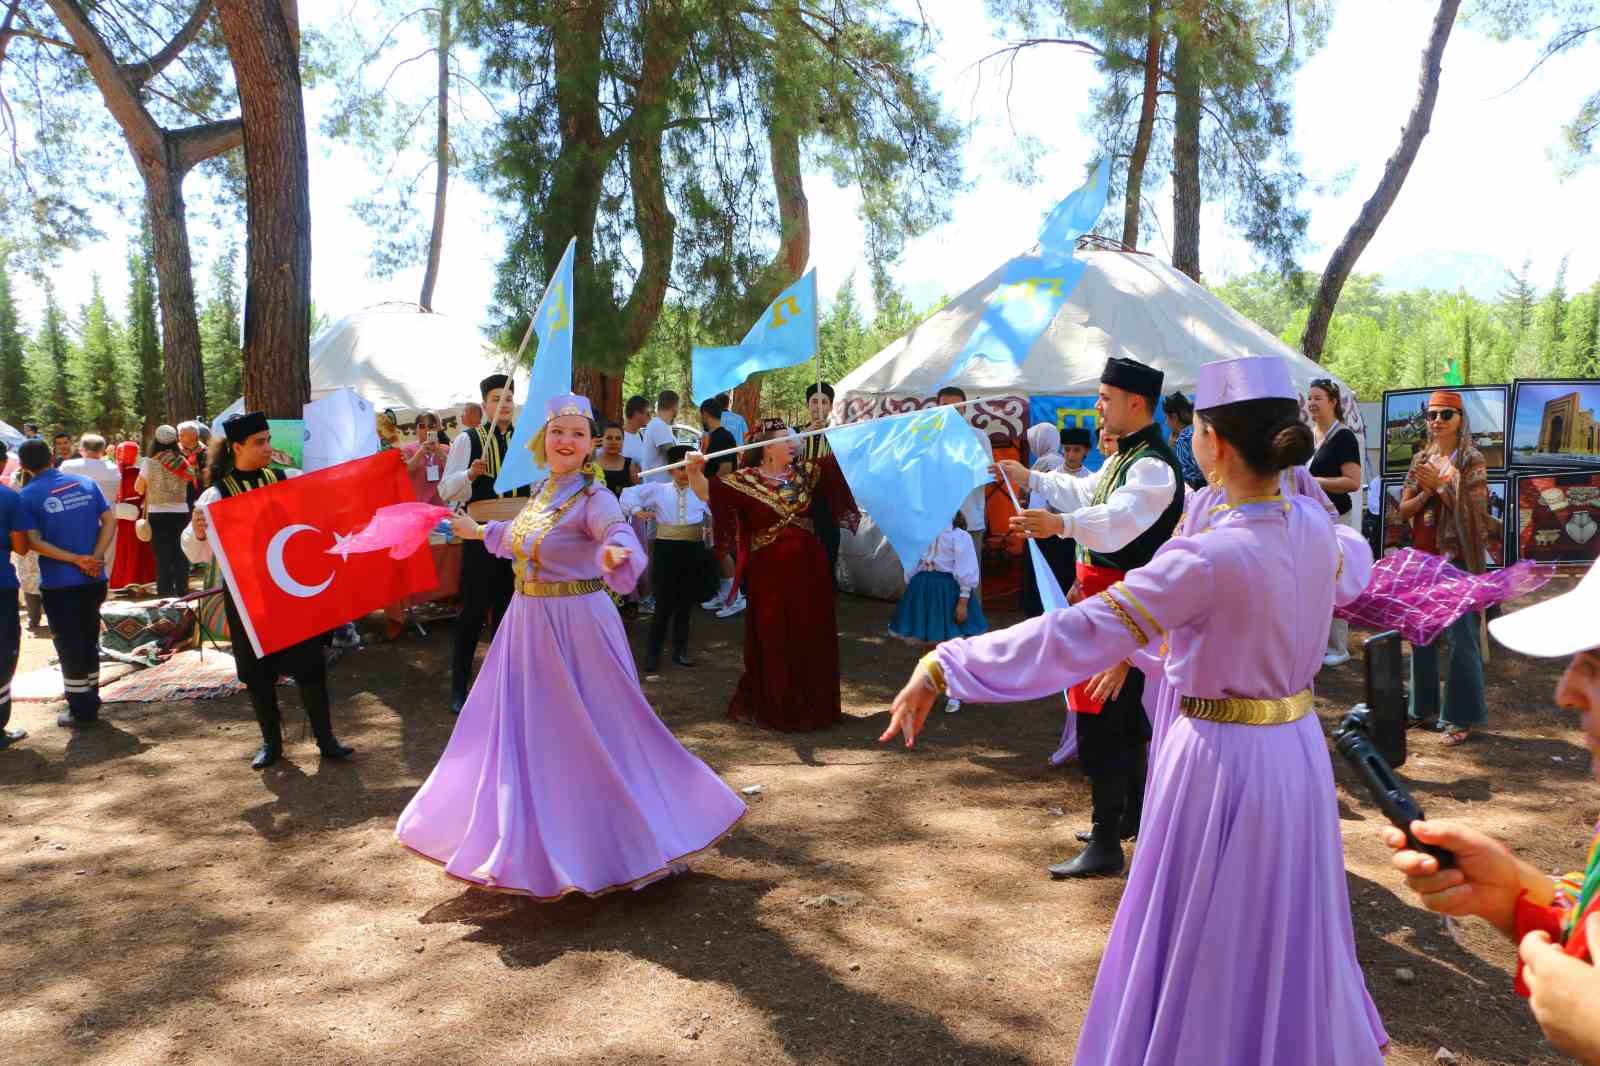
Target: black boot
315,697
1104,853
35,604
681,658
265,703
1133,813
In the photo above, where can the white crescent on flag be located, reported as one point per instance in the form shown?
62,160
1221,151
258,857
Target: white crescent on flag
280,572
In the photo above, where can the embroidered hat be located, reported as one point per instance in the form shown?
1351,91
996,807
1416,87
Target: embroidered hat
1253,377
568,404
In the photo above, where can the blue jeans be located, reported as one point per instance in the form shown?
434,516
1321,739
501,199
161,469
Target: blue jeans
1464,702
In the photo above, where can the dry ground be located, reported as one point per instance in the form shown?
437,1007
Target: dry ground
164,904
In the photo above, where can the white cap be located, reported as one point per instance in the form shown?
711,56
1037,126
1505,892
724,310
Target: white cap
1563,625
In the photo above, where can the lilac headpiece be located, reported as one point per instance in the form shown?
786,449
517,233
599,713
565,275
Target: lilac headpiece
568,404
1254,377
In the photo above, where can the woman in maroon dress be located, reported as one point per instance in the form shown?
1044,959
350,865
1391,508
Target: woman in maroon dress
135,562
791,634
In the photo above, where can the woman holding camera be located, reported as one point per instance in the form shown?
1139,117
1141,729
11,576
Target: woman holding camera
425,457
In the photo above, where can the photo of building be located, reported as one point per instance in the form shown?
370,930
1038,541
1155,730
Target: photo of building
1554,423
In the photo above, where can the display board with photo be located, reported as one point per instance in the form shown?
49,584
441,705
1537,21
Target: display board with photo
1558,517
1396,532
1405,424
1554,423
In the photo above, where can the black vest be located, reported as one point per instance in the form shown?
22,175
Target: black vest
1145,444
483,487
244,480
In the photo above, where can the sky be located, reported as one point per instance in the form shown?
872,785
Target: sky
1482,196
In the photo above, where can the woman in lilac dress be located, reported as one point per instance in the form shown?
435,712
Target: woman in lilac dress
559,777
1233,942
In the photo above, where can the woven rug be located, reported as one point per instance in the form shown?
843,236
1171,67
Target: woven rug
188,675
44,684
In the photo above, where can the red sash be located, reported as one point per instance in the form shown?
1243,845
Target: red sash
1092,580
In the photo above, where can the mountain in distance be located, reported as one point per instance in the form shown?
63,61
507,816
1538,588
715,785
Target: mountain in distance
1482,276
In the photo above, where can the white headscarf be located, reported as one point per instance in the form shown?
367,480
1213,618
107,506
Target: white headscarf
1044,441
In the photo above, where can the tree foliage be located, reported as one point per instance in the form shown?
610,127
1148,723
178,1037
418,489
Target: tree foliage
220,338
1566,26
16,392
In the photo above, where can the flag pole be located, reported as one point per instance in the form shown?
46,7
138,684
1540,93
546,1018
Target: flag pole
798,436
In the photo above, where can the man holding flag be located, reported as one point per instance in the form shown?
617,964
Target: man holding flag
243,465
1119,517
475,462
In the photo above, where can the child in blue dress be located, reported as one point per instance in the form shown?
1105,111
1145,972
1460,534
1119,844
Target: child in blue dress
939,603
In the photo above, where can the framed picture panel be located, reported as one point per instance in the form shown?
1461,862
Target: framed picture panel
1396,533
1554,423
1405,424
1558,517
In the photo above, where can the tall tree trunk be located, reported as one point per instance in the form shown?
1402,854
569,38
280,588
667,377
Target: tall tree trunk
180,325
1154,43
1186,146
441,162
1394,176
603,390
262,41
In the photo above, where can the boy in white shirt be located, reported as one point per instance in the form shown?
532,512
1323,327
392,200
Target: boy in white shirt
680,564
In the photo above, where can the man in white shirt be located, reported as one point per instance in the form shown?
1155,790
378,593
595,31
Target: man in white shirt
634,418
1119,516
658,438
93,464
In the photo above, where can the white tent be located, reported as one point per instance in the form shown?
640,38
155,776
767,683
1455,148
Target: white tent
8,436
398,355
1126,304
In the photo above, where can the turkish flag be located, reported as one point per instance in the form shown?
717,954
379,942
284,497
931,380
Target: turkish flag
273,546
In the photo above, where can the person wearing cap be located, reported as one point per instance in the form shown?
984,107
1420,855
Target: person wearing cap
241,462
1210,959
1445,500
1052,450
791,631
70,526
168,480
1555,921
819,403
468,482
1119,516
134,563
559,777
679,562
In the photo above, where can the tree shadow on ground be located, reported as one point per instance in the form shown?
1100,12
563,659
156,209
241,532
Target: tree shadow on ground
816,1013
91,745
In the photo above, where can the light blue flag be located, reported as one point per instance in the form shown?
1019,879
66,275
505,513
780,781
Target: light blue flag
784,335
552,375
911,472
1032,290
1077,214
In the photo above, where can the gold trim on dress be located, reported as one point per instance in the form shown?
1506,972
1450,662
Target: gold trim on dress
935,670
1126,619
1244,710
1276,497
1127,594
544,589
537,521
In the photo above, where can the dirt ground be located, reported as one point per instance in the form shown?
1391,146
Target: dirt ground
164,904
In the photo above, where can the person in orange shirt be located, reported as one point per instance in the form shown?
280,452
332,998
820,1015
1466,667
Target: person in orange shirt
1554,920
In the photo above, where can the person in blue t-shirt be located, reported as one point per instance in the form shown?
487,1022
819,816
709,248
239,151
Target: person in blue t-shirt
13,537
71,526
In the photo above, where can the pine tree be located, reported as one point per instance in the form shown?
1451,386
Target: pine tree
16,397
54,386
1553,324
102,396
220,339
144,346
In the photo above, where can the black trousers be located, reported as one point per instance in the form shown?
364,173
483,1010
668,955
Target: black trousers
166,542
678,571
74,616
10,648
1062,557
259,674
1109,742
487,584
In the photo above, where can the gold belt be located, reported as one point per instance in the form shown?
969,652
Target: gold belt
1242,710
673,531
562,588
499,509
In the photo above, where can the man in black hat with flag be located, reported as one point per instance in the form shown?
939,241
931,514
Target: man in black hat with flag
1119,517
487,582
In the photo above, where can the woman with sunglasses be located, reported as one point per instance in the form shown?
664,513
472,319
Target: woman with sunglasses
1446,501
425,458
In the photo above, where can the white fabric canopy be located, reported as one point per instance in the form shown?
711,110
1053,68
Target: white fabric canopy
9,436
1126,304
398,355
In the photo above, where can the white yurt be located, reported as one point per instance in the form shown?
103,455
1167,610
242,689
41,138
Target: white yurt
1126,304
397,355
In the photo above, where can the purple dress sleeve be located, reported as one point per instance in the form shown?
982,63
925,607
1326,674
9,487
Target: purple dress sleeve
496,538
1060,648
607,528
1355,565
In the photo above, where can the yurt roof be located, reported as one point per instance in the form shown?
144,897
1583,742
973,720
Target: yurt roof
1126,304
